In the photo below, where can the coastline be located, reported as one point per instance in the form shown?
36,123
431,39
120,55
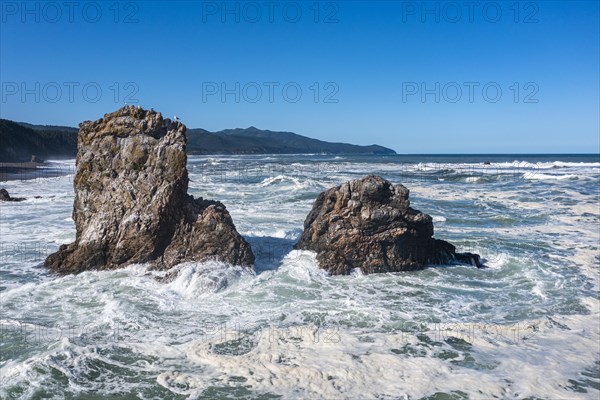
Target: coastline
15,171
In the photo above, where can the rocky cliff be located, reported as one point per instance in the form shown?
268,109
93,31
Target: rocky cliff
369,224
131,203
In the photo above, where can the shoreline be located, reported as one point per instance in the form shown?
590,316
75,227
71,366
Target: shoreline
15,171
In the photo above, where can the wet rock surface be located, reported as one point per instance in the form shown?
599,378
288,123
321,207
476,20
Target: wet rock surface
131,203
5,196
369,224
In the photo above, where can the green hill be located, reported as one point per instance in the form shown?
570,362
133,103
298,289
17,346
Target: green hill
19,141
256,141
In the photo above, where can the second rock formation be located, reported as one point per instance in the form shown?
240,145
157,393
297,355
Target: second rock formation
369,224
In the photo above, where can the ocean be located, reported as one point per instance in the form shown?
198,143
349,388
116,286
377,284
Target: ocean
528,326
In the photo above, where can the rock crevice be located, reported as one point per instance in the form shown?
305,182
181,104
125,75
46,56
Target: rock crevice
131,203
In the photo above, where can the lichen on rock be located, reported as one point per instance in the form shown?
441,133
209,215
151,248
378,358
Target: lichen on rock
131,203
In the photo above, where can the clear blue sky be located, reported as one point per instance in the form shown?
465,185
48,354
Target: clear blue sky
373,58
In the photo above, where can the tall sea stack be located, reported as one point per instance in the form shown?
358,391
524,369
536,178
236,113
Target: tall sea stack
131,203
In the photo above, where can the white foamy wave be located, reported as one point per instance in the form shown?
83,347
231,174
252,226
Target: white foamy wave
200,279
302,265
495,260
275,233
303,330
292,182
313,362
182,383
538,165
563,164
540,176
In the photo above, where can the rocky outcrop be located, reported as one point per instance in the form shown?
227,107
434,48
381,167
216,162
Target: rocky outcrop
131,203
4,196
369,224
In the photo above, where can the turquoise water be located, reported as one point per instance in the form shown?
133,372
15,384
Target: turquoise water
526,327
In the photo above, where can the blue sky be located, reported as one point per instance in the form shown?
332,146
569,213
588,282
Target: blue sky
433,77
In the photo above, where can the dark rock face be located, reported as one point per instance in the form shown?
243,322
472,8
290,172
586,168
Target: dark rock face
368,224
131,203
4,196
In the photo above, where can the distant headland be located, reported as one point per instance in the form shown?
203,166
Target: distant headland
22,140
